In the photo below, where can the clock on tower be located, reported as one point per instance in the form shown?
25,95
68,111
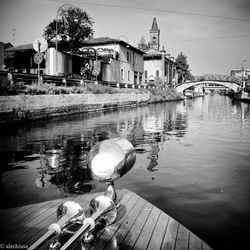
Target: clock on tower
154,36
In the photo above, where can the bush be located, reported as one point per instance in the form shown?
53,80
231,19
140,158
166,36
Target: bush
166,94
11,89
101,89
36,89
52,89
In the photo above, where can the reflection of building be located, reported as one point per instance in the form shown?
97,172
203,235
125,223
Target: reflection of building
157,64
154,124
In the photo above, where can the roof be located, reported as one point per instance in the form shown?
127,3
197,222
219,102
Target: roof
108,40
154,25
153,54
7,45
21,47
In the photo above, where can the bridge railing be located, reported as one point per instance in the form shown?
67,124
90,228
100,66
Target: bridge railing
233,80
219,78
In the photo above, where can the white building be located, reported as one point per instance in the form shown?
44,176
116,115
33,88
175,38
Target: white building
244,75
120,62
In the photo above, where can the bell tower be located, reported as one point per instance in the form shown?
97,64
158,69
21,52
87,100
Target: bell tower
154,36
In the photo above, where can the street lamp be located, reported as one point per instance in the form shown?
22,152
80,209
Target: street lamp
57,13
243,74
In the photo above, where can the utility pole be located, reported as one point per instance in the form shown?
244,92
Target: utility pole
243,75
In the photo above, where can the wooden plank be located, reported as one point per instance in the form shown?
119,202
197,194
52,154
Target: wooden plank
15,230
121,211
70,244
147,231
170,235
127,203
194,242
136,228
182,238
22,218
205,246
12,230
124,228
83,200
31,221
77,244
139,225
120,197
7,214
41,227
159,232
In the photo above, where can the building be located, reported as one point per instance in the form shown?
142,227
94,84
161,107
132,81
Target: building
154,36
21,59
104,59
244,75
3,47
158,65
119,61
62,62
1,55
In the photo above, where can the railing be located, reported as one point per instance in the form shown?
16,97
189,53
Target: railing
33,78
58,80
203,80
214,78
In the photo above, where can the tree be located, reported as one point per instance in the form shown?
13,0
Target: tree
189,76
74,26
183,68
142,44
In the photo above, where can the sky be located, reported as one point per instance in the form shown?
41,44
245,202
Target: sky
214,34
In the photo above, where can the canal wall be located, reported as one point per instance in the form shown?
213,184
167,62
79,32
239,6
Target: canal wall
30,107
242,96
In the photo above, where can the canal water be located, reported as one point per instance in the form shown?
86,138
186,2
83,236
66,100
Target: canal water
193,162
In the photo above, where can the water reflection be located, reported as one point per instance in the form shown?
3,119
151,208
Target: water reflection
62,147
243,109
66,168
153,157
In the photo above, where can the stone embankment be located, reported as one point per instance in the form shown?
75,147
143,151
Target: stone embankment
30,107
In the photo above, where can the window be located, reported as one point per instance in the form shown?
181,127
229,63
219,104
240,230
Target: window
140,78
135,59
128,75
135,77
157,73
129,56
122,74
146,74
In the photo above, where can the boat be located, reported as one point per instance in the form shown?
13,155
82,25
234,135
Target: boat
111,220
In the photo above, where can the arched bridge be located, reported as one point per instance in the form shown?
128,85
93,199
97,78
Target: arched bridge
232,85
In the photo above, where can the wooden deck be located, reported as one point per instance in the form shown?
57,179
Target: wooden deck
139,225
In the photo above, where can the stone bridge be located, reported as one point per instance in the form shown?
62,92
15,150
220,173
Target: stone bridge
235,86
